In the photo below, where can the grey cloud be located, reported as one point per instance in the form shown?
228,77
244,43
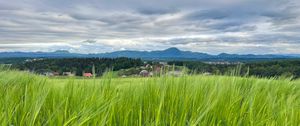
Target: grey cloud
208,14
99,23
90,41
157,11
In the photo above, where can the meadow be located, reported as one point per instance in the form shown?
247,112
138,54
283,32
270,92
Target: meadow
30,100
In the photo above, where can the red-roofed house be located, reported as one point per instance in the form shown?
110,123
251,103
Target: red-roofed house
87,74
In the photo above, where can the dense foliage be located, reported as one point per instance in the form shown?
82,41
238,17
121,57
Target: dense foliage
275,68
258,68
78,65
29,100
12,60
132,66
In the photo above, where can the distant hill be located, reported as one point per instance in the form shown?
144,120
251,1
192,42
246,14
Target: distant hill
168,54
171,53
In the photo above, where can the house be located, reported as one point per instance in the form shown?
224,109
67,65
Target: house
68,74
48,74
148,66
163,63
87,74
55,73
144,73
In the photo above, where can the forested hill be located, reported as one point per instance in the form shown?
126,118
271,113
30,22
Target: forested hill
168,54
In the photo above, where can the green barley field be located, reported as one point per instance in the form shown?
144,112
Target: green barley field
31,100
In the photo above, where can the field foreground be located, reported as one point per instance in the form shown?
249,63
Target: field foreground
27,99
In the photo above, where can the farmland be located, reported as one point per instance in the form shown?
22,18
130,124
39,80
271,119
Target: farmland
28,99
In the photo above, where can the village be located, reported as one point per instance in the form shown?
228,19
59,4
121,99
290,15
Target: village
146,70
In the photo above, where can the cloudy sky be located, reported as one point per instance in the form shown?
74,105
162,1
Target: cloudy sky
95,26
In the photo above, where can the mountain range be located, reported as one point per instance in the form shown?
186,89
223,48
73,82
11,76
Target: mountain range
168,54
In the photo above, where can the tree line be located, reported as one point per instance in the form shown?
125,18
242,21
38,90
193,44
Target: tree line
258,68
78,65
